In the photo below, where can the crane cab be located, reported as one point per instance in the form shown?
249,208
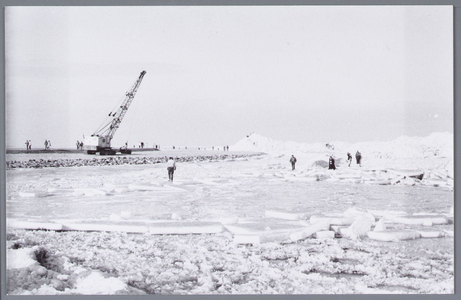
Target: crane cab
94,144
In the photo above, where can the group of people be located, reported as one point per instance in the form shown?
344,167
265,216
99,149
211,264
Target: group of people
79,145
29,144
171,164
358,158
331,160
225,148
47,144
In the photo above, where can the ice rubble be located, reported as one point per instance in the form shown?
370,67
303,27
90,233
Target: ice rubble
288,226
271,230
168,265
277,226
34,279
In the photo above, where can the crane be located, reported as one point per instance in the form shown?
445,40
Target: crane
100,140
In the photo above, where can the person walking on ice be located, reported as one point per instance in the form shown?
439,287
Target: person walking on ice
293,162
349,159
358,157
171,167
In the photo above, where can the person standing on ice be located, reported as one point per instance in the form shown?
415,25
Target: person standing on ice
171,167
358,157
331,163
27,144
349,159
293,162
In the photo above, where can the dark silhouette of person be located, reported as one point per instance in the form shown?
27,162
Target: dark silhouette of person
358,157
331,163
293,161
171,167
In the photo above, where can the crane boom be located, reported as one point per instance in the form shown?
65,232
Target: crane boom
101,138
109,130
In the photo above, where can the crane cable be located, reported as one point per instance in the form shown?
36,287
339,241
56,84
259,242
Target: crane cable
117,105
108,120
131,124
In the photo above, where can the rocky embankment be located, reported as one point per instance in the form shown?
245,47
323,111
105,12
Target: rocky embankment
117,160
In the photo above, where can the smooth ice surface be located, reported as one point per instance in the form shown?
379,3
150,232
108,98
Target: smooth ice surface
388,236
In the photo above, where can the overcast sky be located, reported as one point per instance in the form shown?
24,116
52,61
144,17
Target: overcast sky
215,74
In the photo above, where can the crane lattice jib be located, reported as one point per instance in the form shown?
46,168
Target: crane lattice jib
118,116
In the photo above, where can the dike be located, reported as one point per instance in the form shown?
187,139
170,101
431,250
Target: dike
115,161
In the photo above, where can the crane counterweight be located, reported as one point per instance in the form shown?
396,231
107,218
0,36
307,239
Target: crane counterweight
100,140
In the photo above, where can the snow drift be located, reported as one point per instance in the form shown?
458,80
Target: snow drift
436,144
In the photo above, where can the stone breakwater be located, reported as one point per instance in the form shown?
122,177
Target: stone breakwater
117,160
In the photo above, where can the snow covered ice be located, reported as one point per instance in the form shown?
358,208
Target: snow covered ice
237,225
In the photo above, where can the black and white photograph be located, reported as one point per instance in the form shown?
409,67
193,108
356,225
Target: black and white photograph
229,150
